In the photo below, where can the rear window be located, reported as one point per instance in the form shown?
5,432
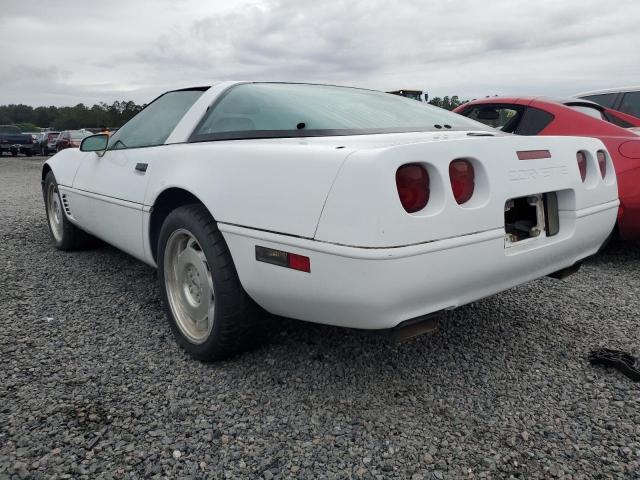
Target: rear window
604,99
272,110
503,117
631,104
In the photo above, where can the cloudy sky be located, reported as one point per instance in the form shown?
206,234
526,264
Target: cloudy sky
71,51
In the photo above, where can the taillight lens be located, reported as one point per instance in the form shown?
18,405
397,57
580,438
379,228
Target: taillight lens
582,165
462,178
299,262
412,181
602,162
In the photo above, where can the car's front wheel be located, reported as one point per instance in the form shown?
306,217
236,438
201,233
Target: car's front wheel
209,312
66,236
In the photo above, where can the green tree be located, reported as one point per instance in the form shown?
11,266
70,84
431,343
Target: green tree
78,116
448,103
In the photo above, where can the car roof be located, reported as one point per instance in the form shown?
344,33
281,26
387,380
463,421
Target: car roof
608,90
569,101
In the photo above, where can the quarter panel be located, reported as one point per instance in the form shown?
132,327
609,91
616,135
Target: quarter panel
277,185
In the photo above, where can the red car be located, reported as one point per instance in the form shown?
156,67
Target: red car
576,117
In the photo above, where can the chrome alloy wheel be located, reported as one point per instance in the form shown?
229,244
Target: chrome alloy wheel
54,211
189,286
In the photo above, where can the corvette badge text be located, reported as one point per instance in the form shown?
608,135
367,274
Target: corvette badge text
533,173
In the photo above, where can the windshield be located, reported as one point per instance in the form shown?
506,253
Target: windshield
271,110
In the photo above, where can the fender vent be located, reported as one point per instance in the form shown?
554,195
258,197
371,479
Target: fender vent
65,204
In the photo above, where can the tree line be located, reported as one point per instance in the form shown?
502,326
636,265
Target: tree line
446,102
31,119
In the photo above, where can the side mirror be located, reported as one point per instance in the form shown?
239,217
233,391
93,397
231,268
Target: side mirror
95,143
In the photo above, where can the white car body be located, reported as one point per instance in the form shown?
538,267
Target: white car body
334,200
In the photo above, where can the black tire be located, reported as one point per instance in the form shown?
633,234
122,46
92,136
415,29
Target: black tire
14,153
235,314
29,153
70,237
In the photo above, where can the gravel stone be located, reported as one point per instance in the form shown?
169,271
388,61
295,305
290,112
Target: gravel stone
93,385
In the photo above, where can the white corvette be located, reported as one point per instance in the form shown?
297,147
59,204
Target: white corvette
330,204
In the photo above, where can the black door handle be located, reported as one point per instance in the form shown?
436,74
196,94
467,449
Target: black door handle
141,167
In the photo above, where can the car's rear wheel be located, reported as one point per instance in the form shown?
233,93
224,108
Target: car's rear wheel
209,312
66,236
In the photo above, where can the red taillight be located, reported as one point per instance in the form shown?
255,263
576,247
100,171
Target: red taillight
462,178
582,164
299,262
412,181
602,162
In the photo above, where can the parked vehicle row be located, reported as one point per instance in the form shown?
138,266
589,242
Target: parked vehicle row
45,143
335,205
14,141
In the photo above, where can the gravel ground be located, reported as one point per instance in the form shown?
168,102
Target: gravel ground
92,383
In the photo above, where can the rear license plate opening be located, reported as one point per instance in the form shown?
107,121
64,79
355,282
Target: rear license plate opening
531,217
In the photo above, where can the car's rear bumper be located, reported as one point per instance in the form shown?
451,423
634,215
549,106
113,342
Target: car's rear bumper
382,287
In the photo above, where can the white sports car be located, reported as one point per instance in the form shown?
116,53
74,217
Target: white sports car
329,204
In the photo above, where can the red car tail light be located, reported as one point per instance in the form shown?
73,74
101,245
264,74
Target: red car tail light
582,164
412,181
602,162
462,176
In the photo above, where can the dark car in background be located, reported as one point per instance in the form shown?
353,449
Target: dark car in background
13,141
626,100
70,139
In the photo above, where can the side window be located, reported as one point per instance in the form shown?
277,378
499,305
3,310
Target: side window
534,121
503,117
153,125
604,99
631,104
